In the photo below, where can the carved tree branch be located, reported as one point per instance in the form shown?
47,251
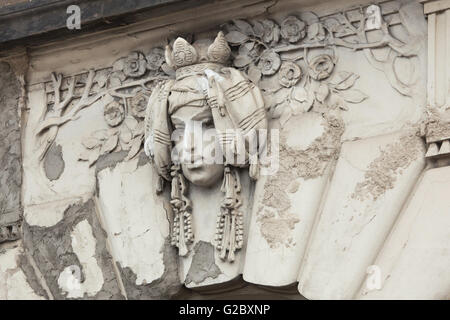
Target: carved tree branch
61,106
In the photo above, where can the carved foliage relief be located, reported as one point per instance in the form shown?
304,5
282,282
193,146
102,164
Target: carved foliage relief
292,61
123,89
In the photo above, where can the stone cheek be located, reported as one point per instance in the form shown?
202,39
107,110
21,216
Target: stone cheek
10,154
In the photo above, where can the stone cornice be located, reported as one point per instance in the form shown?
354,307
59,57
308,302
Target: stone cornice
30,19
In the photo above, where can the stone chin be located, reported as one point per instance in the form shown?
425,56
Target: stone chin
203,175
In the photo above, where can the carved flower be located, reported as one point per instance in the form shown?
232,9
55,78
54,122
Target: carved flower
271,31
155,59
114,113
321,67
293,29
269,63
289,74
138,104
135,65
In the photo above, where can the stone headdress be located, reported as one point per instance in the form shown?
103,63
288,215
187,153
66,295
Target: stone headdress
235,102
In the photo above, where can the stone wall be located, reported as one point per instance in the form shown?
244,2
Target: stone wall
355,209
10,154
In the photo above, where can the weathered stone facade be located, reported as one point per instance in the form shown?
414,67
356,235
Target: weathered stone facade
10,154
354,94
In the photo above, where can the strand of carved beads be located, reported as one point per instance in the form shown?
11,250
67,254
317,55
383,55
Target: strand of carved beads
219,231
188,227
239,230
175,230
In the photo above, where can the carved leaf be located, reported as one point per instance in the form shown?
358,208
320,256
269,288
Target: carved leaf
119,65
116,78
258,29
296,106
242,61
131,122
110,144
278,110
302,100
322,92
118,148
337,102
244,49
244,27
90,142
254,74
236,37
300,94
125,134
167,69
344,80
93,156
139,129
333,25
101,134
309,17
274,99
101,77
84,156
285,116
135,147
353,95
316,31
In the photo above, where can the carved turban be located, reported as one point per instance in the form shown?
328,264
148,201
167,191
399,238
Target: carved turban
235,102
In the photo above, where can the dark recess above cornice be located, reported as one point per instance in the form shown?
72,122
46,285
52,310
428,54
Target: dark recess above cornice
36,21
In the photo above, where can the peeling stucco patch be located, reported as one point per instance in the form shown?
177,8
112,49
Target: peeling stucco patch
13,280
31,276
143,159
277,229
295,163
166,287
10,153
203,264
110,160
53,251
382,172
54,162
83,244
437,126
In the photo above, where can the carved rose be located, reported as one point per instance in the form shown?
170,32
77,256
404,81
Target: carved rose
269,63
289,74
155,59
271,31
114,113
321,67
138,104
135,65
293,29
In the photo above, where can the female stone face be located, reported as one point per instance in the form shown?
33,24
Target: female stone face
196,145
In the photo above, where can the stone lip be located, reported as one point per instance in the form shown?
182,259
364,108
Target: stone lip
22,20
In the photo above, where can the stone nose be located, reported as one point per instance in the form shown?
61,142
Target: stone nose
189,139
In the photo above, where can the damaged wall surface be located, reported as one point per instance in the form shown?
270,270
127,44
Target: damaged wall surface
357,93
